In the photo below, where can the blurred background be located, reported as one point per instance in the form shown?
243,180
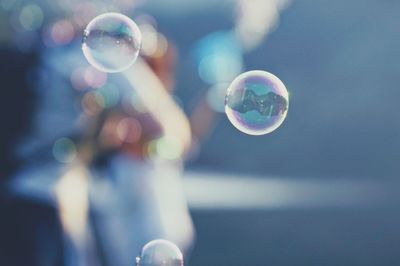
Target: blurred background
320,190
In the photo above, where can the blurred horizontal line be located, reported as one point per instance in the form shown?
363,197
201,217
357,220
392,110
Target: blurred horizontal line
184,6
220,191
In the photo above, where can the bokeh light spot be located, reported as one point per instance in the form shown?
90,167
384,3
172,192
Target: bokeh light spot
31,17
64,150
62,32
166,148
129,130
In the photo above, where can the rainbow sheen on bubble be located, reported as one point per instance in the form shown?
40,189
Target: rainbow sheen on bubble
256,102
160,253
111,42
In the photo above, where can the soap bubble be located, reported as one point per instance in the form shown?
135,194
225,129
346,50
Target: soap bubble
256,102
160,253
111,42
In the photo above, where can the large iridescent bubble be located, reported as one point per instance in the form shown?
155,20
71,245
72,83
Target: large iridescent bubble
256,102
160,253
111,42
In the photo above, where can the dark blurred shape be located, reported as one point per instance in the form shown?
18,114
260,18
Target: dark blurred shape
16,104
30,231
31,234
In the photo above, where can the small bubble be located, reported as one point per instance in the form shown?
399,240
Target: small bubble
160,253
256,102
111,42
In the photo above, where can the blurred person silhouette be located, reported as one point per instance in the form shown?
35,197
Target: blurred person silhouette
92,162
